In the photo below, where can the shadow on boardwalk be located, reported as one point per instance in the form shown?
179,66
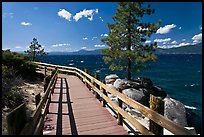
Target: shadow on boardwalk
74,110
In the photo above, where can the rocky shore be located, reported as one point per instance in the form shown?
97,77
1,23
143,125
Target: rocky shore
140,89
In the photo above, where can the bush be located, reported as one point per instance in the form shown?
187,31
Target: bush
10,95
15,67
13,98
20,62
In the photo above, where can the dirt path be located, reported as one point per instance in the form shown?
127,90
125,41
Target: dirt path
29,90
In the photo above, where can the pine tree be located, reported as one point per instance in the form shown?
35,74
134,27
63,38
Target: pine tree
126,38
35,49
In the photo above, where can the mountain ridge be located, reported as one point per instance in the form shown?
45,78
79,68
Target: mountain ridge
189,49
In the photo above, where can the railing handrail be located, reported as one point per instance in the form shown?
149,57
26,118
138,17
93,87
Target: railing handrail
154,116
37,117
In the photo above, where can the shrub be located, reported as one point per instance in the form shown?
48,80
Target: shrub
20,62
10,95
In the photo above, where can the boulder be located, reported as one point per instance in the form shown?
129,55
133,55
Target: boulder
156,91
138,80
124,84
110,79
137,95
147,83
175,111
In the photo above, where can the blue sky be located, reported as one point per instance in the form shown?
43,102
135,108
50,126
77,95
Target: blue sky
71,26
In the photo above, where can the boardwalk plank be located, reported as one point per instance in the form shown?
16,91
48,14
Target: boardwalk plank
79,111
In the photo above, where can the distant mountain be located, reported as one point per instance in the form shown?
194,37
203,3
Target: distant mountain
189,49
80,52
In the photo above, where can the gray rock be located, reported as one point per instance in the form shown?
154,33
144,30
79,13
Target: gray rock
147,83
137,95
110,79
175,111
6,109
124,84
156,91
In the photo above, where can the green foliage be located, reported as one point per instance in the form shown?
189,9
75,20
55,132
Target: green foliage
35,49
126,39
15,67
19,62
10,95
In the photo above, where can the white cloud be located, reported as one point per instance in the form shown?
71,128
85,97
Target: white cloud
162,40
165,29
104,35
64,14
26,23
183,44
174,46
179,27
85,38
101,19
94,38
174,42
60,45
8,15
201,28
197,38
140,28
18,47
83,47
86,13
147,41
183,39
99,46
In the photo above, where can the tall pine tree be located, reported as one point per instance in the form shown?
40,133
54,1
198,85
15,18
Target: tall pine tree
35,49
126,38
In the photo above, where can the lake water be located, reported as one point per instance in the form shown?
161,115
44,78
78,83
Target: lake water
179,75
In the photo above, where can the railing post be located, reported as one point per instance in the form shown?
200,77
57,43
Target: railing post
104,92
45,70
103,100
86,71
96,76
46,82
37,99
157,105
120,117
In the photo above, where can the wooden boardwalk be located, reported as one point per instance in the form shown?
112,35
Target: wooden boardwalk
74,110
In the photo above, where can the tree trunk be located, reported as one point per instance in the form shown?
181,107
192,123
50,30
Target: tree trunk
128,70
128,73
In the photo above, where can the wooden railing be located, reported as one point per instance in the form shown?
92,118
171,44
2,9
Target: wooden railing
36,121
102,91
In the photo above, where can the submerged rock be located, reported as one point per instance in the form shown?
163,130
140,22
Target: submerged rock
110,79
175,111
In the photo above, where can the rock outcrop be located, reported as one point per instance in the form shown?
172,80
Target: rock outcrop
175,111
124,84
140,89
137,95
110,79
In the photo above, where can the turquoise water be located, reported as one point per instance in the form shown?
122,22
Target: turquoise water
179,75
